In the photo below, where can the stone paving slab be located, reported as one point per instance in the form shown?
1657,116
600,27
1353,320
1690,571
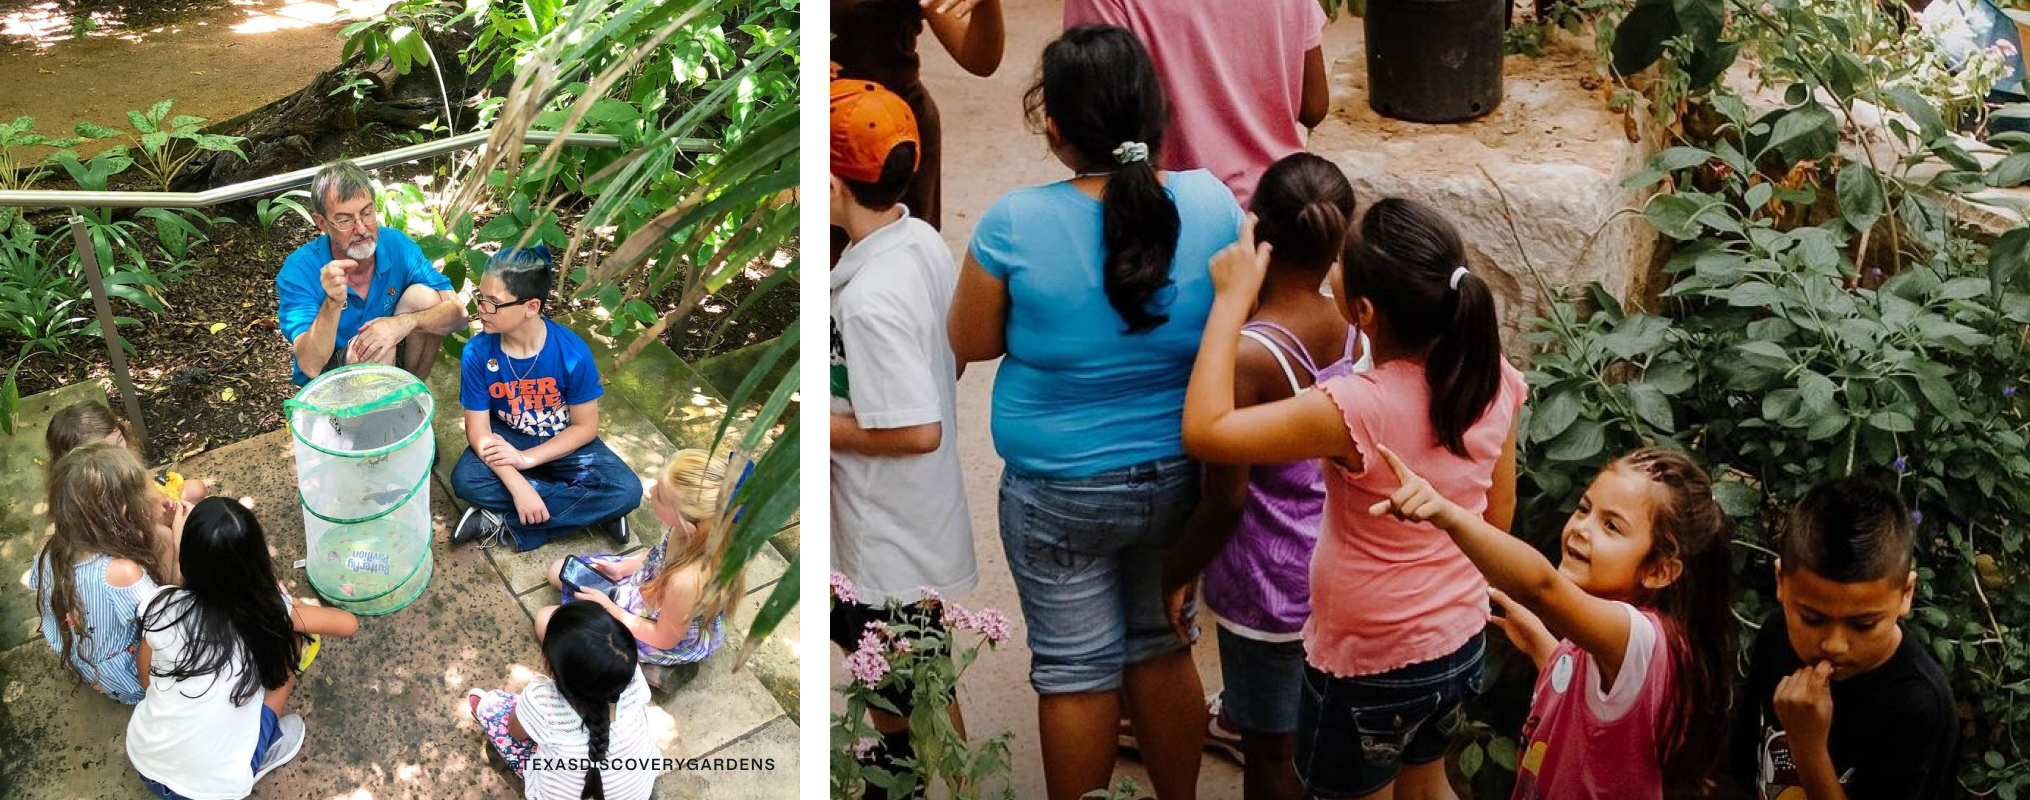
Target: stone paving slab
788,540
674,397
776,661
747,781
22,503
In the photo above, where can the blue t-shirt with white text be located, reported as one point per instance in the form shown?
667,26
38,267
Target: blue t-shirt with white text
531,395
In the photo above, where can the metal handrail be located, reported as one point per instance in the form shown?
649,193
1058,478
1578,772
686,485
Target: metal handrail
95,278
45,198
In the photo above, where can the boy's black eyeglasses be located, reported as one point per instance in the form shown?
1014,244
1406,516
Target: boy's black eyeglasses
492,307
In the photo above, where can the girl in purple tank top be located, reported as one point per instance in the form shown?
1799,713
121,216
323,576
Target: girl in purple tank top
1256,566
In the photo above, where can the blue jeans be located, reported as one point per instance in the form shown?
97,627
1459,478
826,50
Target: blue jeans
1087,554
1262,680
1353,734
583,488
271,732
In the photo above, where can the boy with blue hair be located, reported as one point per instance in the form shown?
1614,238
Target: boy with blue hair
536,469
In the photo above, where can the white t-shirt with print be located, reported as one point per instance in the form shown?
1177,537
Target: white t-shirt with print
899,523
560,734
186,734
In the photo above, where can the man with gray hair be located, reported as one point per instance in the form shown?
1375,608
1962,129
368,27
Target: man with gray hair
361,293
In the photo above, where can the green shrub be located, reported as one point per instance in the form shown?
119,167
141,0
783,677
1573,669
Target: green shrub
1822,317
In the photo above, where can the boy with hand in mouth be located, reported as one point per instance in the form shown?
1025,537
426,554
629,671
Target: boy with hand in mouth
1839,703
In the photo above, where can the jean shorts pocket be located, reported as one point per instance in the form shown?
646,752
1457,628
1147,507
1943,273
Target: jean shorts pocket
1066,535
1385,729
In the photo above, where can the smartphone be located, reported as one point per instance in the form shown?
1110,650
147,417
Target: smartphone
579,574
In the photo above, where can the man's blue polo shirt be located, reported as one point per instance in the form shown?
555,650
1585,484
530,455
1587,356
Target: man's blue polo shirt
400,264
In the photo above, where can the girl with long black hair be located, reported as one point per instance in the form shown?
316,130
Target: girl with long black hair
219,657
581,732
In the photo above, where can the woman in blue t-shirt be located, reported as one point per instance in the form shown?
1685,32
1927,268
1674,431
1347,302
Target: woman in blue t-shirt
1096,291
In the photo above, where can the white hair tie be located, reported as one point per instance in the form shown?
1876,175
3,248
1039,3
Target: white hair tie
1458,275
1131,152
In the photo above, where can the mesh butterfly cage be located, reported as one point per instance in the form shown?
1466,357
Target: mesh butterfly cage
363,459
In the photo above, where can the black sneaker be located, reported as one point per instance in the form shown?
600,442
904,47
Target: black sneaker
478,522
615,529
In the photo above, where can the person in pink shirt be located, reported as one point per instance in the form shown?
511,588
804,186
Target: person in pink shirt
1248,77
1630,700
1394,646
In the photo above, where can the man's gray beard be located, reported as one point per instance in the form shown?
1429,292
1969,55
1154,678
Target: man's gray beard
361,252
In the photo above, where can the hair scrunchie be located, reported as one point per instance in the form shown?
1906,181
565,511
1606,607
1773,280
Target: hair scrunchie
1131,152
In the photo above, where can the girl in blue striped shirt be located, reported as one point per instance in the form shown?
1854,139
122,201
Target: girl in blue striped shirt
110,548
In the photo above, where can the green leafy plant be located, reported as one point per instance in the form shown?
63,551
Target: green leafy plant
268,213
178,231
922,654
1822,316
165,145
17,171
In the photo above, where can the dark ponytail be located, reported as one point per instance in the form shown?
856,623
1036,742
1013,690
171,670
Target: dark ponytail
1100,87
594,658
1302,206
1401,258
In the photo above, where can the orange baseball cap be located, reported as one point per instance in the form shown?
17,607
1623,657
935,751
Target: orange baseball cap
868,121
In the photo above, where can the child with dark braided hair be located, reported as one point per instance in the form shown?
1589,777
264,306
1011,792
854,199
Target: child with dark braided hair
580,733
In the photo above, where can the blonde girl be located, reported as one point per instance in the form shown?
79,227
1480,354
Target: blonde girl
672,575
108,551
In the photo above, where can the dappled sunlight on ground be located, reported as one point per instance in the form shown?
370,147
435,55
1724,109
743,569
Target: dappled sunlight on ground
305,13
43,25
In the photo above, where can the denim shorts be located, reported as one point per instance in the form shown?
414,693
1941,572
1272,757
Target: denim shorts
1087,556
1353,734
1262,682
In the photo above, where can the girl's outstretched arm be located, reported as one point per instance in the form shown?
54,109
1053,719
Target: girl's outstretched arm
307,618
1305,426
1600,627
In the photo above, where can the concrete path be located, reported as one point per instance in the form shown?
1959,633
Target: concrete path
385,709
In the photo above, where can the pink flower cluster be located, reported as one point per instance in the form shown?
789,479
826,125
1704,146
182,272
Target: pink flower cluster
868,664
989,623
860,750
842,587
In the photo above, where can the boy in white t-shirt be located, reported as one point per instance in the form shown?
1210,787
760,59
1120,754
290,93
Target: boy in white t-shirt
899,521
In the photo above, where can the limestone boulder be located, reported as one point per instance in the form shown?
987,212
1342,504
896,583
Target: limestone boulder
1533,187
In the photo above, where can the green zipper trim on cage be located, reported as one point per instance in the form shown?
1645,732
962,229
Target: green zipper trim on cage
362,409
424,479
412,390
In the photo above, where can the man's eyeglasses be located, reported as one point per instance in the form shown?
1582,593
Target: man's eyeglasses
492,307
347,221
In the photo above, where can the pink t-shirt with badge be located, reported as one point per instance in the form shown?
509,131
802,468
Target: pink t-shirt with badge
1234,74
1588,741
1387,593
